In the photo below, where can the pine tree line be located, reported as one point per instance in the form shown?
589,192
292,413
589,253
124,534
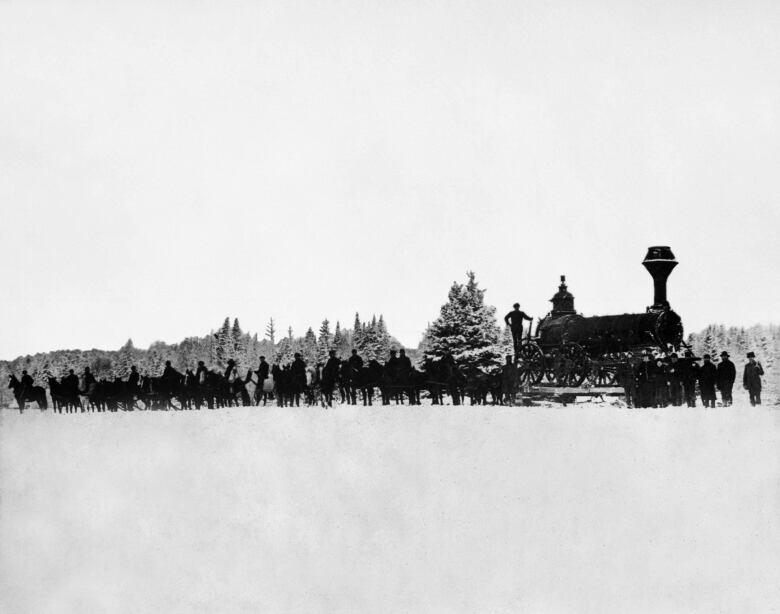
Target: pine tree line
372,340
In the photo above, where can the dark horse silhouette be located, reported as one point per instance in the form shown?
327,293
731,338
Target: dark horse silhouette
36,393
63,397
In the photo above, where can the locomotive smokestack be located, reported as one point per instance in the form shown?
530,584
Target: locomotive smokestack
659,262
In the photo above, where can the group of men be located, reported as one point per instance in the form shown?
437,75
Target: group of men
659,382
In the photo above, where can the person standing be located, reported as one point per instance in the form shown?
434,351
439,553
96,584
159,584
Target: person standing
643,375
661,383
355,361
132,382
391,366
88,379
298,377
689,373
508,382
675,381
708,377
514,319
200,373
727,373
27,383
751,379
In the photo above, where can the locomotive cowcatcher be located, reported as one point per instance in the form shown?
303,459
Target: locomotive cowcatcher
570,350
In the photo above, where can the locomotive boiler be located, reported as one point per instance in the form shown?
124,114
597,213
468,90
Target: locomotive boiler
569,348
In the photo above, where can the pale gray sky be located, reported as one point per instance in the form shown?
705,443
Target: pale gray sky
166,164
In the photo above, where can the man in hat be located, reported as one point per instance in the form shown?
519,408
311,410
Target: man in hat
330,373
689,373
132,381
660,383
355,361
708,377
27,383
88,379
675,380
508,382
644,374
263,370
751,378
230,371
514,319
391,366
727,373
404,362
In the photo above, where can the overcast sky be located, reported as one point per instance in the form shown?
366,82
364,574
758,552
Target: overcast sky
165,165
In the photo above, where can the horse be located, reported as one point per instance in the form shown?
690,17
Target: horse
347,392
368,378
442,376
328,384
36,394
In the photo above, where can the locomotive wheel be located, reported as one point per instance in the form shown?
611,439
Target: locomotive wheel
568,366
605,376
531,364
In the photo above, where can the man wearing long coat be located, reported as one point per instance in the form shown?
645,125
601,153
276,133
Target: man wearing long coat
727,373
708,377
751,379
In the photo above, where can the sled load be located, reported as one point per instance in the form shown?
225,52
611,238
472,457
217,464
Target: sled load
571,350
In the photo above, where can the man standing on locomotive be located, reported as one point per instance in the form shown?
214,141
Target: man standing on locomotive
514,319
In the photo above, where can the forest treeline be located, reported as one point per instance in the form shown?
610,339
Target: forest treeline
370,338
466,328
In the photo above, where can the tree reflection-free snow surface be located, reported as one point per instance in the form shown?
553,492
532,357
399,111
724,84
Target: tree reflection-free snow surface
586,508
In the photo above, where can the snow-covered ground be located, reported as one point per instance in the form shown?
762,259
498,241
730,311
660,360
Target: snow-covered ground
587,508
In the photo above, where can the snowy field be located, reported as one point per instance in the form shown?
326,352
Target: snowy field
588,508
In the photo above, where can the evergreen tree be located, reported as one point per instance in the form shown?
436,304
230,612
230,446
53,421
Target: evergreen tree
126,358
325,342
270,332
284,351
309,347
507,344
466,328
357,334
237,346
340,342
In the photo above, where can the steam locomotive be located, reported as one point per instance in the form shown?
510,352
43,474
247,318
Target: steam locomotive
569,348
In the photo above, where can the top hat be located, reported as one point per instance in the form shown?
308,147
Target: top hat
751,355
724,354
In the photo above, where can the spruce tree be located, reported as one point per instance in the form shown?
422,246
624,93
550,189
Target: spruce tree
126,358
340,343
325,341
466,328
309,347
270,332
357,334
223,344
237,344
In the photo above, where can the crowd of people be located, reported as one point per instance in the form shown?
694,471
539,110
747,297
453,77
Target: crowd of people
659,381
653,380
